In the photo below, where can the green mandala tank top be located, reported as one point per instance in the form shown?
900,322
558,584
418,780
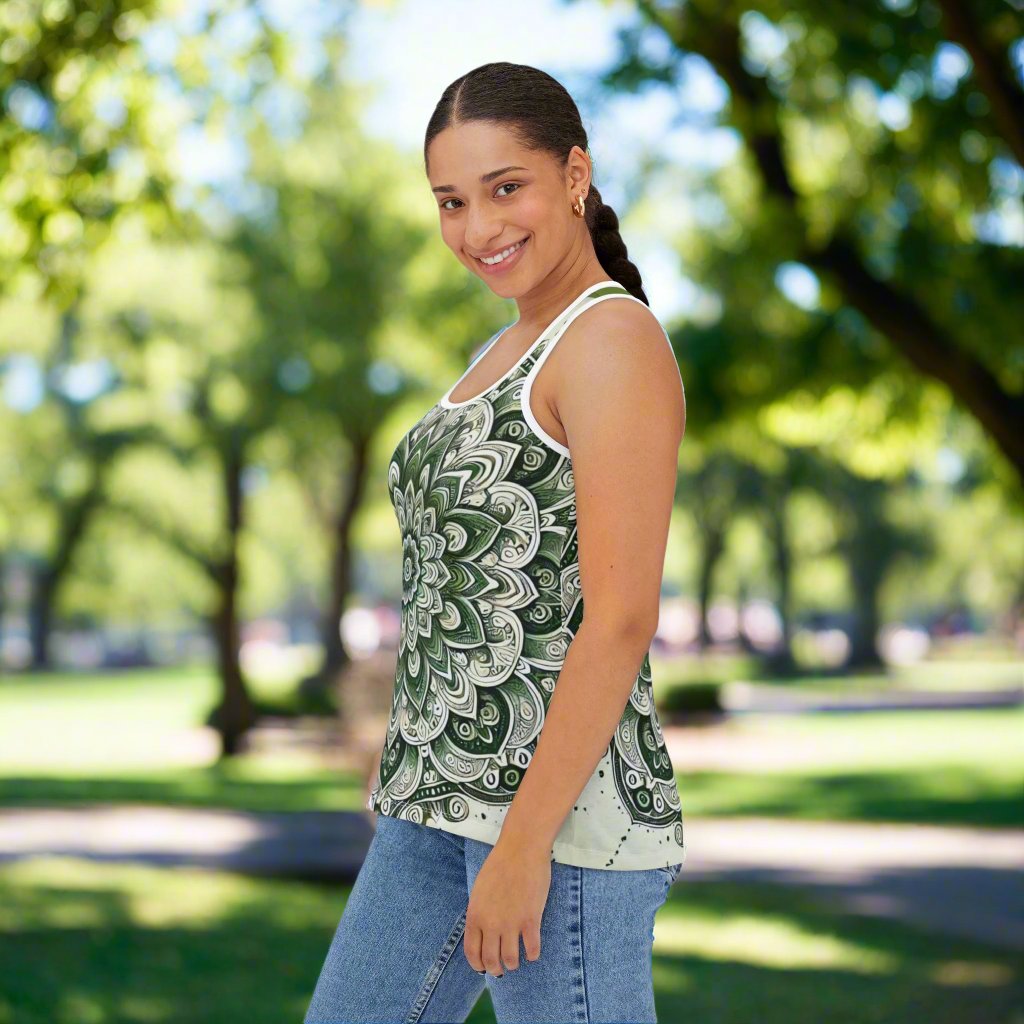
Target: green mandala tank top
491,600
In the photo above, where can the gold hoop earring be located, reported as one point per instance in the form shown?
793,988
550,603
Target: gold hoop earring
578,206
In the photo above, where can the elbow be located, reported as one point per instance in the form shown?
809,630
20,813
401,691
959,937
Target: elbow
625,628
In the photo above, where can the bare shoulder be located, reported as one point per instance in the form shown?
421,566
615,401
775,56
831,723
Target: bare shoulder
616,351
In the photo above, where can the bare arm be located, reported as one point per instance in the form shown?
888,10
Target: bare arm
618,396
619,399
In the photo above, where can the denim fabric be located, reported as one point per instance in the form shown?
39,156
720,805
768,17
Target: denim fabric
398,954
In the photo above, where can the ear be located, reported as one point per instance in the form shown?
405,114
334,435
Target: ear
578,172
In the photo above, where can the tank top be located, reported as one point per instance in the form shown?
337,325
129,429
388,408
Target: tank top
491,600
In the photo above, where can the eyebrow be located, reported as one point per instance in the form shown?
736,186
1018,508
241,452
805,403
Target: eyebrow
484,178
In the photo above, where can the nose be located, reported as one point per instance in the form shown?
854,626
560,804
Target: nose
483,230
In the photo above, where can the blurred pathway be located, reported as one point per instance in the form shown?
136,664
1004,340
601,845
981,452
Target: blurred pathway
962,881
768,698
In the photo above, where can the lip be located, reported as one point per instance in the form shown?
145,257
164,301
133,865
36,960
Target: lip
506,264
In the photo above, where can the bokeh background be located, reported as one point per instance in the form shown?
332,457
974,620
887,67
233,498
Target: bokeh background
224,298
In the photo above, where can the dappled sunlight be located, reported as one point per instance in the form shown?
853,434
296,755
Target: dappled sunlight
745,952
69,893
96,942
763,941
960,972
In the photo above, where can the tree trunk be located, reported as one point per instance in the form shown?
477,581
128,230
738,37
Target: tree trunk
40,617
711,551
782,661
336,657
742,639
714,32
73,520
236,713
867,584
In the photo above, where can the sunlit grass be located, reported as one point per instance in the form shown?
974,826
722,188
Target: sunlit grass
997,669
929,795
732,953
133,738
114,943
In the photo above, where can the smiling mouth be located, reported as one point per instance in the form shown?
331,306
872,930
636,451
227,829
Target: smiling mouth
493,261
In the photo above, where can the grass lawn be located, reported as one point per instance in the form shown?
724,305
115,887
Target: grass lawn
959,767
128,738
93,943
996,669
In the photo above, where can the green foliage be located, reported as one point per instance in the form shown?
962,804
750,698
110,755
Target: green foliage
694,701
881,170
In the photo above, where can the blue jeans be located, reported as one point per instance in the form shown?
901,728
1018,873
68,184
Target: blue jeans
398,954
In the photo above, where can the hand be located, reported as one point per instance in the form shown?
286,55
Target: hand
508,899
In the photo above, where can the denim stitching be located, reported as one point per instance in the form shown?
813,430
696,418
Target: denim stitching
435,972
583,965
576,928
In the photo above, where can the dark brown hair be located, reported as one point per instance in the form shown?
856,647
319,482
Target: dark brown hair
543,116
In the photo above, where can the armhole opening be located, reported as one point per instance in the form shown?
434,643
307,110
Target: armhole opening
527,389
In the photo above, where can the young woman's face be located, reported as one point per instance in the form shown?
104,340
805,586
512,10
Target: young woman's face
493,195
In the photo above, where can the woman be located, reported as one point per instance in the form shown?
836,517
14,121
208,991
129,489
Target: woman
511,809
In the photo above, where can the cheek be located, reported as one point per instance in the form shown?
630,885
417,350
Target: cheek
535,214
450,234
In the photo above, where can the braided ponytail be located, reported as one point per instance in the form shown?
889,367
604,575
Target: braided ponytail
609,246
543,116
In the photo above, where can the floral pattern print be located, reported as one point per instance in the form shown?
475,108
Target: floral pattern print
491,599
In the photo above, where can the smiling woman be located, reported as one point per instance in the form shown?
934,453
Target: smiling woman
503,256
524,793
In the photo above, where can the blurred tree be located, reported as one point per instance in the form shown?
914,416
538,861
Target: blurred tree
712,493
882,159
93,117
61,450
204,398
71,475
326,259
870,541
86,148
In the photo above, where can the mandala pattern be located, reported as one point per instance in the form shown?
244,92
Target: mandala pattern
491,599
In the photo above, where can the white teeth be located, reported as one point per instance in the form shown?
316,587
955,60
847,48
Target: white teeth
491,260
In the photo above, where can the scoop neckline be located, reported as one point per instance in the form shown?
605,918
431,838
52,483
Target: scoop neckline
448,404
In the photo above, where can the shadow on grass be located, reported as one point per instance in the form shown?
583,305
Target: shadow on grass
936,794
224,788
731,953
128,944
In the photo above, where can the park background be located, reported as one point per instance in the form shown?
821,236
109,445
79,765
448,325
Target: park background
224,298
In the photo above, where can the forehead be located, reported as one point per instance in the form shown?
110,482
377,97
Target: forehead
462,153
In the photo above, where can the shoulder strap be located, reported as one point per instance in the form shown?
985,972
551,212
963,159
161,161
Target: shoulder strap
612,291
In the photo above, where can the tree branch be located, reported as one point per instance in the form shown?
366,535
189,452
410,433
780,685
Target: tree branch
993,74
907,325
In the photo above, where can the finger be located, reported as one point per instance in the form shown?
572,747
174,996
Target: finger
471,944
531,940
510,949
491,952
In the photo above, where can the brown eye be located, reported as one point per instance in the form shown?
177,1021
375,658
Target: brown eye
509,184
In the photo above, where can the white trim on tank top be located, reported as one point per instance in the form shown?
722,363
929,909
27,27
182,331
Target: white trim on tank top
524,397
448,404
